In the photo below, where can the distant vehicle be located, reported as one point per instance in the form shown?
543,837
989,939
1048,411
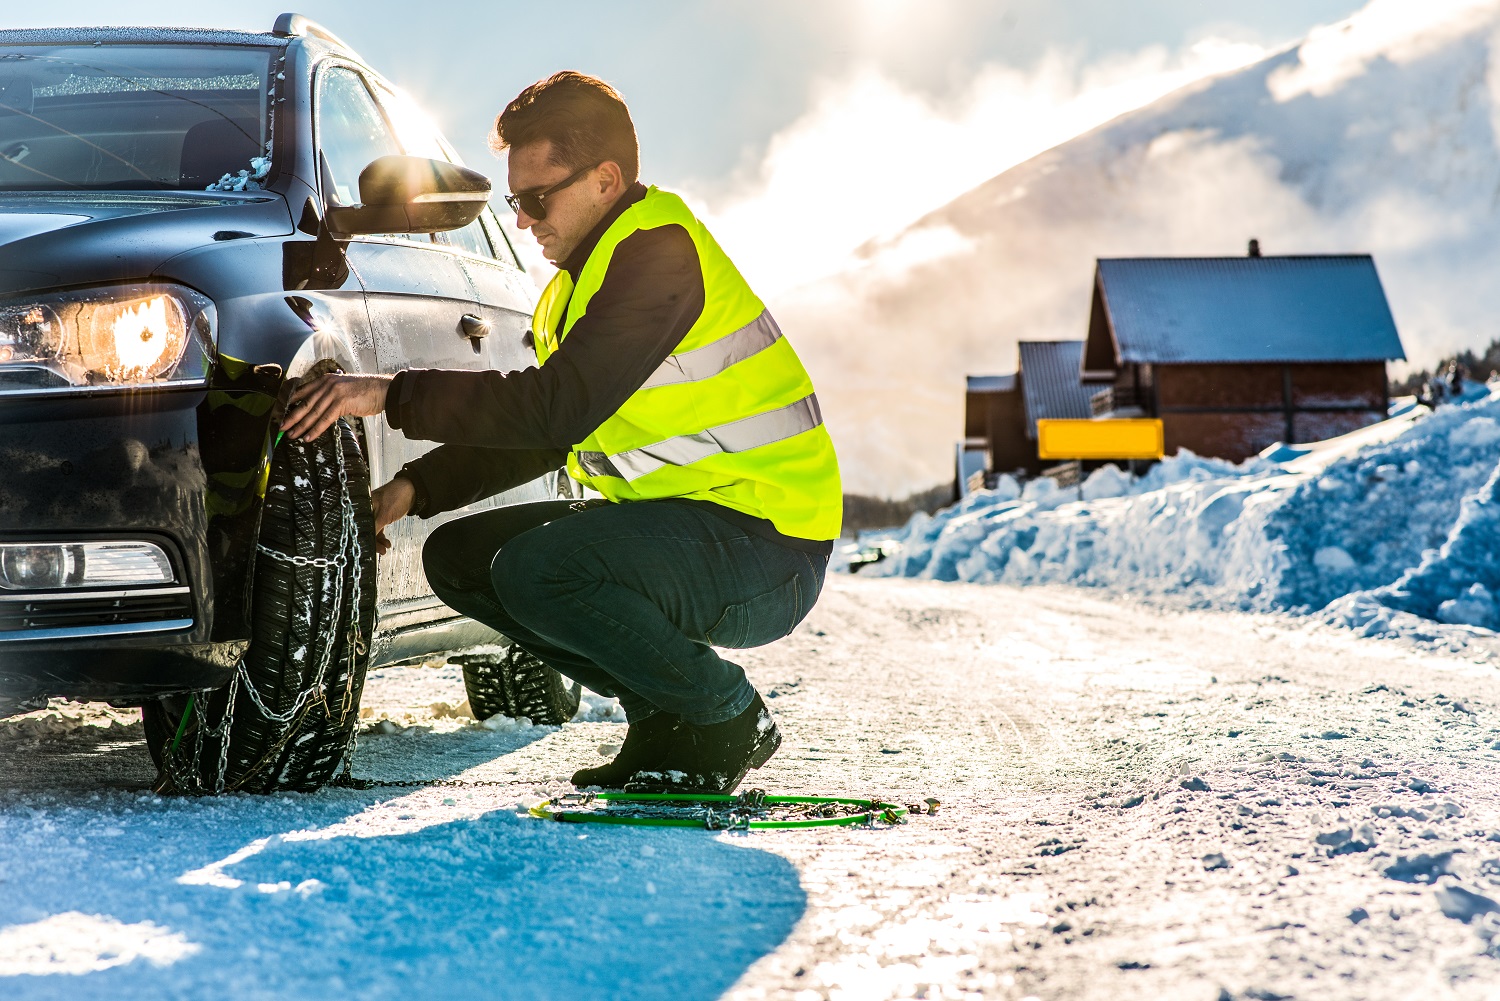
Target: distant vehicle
190,223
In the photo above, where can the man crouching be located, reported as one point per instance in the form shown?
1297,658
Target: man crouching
666,387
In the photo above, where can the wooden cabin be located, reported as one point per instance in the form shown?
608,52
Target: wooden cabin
1236,354
1051,388
1001,411
992,408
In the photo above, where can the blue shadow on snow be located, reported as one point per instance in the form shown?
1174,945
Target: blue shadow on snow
497,906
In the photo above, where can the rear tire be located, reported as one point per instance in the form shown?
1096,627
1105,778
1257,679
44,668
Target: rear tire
286,720
517,684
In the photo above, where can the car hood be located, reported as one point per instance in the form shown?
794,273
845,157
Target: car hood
50,240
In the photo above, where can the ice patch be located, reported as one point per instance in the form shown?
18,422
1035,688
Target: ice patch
76,943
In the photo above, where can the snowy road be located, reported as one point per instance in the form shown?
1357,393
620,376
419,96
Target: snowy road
1137,803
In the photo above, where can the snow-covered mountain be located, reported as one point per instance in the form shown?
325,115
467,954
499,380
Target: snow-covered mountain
1380,134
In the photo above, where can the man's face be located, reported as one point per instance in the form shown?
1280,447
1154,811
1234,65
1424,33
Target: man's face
571,212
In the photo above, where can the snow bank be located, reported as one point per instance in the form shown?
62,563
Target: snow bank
431,697
64,717
1384,527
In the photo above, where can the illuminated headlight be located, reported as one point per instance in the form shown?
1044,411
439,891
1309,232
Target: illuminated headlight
123,335
44,566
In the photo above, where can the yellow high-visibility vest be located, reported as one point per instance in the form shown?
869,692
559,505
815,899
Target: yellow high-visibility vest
730,417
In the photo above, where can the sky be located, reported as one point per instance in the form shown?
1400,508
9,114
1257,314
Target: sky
800,129
803,132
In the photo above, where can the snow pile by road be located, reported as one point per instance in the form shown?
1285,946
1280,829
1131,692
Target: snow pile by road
62,716
1384,529
426,699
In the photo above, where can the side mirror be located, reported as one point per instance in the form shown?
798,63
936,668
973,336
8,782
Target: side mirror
411,194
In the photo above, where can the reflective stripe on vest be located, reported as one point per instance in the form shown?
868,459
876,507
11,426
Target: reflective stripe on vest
711,359
684,450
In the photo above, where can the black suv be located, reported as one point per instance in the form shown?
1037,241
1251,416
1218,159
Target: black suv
190,223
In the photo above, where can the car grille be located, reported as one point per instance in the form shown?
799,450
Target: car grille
56,610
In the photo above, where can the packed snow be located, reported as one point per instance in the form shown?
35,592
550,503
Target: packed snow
432,700
1390,530
1136,803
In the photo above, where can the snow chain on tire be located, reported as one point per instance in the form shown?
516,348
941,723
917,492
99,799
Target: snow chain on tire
517,684
288,716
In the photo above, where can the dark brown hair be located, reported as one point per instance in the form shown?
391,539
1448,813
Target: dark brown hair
584,117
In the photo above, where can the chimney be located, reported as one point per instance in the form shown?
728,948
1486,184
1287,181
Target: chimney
1254,247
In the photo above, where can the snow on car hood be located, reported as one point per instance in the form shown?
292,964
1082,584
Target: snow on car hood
66,239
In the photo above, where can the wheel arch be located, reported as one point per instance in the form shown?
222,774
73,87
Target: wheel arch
272,343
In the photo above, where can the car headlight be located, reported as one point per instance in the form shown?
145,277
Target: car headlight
118,336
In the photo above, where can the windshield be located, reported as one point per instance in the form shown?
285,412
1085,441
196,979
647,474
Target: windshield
133,117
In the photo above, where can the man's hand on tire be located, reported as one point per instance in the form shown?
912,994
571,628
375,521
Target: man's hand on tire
391,503
317,404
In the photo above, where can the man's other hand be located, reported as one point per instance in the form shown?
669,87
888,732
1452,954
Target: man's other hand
316,404
391,503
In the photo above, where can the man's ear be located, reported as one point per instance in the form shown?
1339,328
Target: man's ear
611,180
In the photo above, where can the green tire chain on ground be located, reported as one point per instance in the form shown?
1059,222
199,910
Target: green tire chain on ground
737,813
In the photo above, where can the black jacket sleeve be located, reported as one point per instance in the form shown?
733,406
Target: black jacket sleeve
649,299
451,476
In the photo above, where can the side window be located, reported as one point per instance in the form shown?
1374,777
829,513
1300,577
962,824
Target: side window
498,239
351,131
470,239
421,138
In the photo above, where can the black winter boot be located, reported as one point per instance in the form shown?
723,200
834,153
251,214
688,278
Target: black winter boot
645,746
713,758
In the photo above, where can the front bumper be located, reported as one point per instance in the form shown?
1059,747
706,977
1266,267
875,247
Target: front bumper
129,466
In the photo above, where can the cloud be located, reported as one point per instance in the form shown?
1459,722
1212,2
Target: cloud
1399,31
1389,148
871,155
819,225
1399,160
889,351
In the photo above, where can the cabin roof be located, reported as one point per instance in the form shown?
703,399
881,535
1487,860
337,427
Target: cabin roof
1050,385
1163,310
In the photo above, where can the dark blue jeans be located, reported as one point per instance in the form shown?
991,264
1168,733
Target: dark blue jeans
628,599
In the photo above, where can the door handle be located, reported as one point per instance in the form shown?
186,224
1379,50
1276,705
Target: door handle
474,328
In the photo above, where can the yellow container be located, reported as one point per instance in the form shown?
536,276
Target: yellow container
1110,438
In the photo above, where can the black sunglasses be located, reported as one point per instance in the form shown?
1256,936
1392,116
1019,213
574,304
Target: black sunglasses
530,202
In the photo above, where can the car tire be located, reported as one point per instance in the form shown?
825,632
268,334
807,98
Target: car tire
287,718
516,684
